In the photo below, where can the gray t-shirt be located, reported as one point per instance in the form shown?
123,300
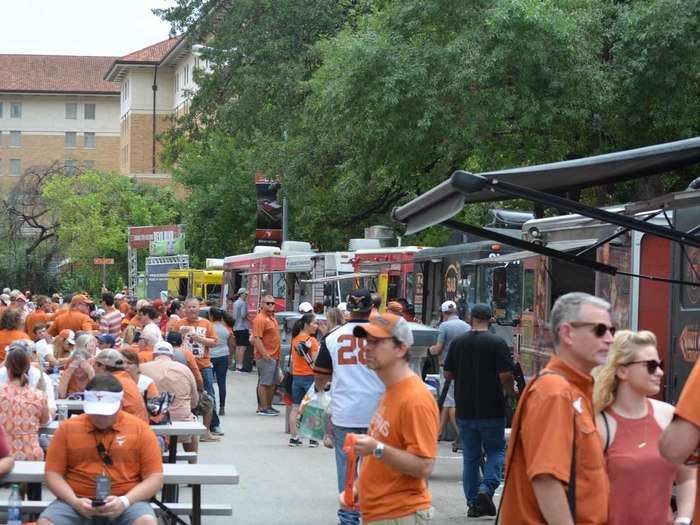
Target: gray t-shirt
220,349
240,315
449,331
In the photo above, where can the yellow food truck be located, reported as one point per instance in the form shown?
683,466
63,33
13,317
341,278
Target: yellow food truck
188,282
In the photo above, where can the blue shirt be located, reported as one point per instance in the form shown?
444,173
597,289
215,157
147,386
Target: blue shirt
449,331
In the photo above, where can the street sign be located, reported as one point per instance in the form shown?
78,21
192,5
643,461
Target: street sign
99,260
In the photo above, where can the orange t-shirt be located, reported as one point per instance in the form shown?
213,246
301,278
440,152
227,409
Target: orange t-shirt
265,327
124,307
299,365
35,318
145,355
72,320
7,337
130,443
688,408
406,419
203,328
132,402
541,442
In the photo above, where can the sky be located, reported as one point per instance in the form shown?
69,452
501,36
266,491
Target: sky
80,27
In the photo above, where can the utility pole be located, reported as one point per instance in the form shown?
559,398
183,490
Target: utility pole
285,203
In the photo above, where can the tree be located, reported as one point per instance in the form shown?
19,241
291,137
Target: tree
93,211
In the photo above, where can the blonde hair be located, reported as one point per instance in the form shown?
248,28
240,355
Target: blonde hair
623,351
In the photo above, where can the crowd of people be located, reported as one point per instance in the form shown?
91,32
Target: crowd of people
588,443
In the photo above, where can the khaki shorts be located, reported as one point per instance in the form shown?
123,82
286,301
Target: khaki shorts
420,517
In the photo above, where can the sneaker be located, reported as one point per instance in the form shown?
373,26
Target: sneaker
295,442
222,412
313,443
274,410
216,431
456,446
268,412
209,438
474,512
484,503
238,370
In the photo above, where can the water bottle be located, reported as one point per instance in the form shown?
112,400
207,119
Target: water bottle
14,506
55,379
62,412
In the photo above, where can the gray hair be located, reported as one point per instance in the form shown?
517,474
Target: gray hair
567,309
83,340
26,345
150,338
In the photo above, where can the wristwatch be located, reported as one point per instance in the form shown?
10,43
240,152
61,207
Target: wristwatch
378,451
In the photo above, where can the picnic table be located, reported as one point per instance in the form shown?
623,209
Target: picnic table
173,474
71,404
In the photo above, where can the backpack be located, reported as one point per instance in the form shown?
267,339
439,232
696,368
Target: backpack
158,408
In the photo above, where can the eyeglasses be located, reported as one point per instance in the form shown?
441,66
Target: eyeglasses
269,303
651,364
103,454
599,329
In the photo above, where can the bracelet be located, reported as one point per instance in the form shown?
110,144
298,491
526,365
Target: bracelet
683,521
125,501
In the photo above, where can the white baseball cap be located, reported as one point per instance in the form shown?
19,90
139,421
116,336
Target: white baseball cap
163,348
448,306
305,308
102,403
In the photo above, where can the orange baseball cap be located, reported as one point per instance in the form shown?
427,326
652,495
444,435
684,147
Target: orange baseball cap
67,335
80,299
383,326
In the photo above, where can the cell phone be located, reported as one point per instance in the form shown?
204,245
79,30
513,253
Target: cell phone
98,503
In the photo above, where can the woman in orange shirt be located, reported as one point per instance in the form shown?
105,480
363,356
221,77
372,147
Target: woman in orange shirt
10,324
304,348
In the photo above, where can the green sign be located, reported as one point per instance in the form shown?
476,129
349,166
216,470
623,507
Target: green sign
169,247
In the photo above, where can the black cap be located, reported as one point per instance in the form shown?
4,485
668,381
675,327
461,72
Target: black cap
359,301
481,311
174,338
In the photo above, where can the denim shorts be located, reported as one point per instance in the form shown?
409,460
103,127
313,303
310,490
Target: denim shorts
300,385
60,513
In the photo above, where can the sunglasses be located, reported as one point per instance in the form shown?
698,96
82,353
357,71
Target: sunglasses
651,364
103,454
598,329
269,303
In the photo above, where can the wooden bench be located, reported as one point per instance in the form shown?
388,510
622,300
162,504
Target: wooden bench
174,474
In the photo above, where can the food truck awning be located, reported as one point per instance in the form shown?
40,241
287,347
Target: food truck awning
341,277
562,246
447,199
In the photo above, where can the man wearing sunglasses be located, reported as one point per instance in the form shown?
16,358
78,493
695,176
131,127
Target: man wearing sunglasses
267,343
103,448
554,440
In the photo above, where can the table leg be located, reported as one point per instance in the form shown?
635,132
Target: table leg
170,492
196,504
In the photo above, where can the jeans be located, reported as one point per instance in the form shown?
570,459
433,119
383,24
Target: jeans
208,380
345,517
220,365
479,436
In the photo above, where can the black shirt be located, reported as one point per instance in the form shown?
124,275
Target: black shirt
475,359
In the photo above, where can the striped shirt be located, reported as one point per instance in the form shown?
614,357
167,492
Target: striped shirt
110,323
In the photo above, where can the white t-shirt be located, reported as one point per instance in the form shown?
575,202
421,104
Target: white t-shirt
143,383
355,389
43,348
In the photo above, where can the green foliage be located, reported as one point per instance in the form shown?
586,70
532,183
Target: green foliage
94,210
364,105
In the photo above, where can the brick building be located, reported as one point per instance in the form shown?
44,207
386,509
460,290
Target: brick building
57,109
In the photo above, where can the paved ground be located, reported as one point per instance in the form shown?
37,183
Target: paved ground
282,485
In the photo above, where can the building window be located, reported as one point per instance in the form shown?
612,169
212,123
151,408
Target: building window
71,139
89,140
70,167
89,112
177,83
15,167
125,90
16,110
15,139
71,110
187,76
89,164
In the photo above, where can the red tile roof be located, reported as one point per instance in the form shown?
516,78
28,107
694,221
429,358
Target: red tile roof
55,74
153,54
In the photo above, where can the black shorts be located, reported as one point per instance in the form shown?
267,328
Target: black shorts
242,337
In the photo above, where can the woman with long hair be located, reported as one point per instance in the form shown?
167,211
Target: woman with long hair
304,348
145,384
630,424
77,374
220,352
334,319
23,409
63,345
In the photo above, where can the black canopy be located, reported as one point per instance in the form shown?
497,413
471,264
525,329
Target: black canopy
445,200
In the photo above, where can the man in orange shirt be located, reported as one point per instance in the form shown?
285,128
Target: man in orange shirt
112,362
10,329
198,335
103,444
554,418
681,440
76,318
400,447
42,315
267,343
